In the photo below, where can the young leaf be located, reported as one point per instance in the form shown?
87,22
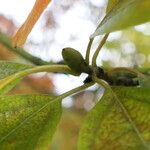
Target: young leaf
125,14
36,132
118,124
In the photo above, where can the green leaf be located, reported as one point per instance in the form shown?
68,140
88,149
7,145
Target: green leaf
118,124
34,133
8,68
7,86
10,81
125,14
111,4
8,71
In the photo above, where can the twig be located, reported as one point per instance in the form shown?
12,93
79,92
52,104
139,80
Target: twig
20,51
88,51
98,49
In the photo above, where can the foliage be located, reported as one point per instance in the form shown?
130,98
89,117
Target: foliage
34,133
124,14
119,120
107,125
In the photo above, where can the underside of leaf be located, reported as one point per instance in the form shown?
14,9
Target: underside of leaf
111,128
35,133
125,14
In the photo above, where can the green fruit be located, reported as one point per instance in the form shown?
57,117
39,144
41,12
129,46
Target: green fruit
75,60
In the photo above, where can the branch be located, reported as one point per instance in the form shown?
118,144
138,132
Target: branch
6,41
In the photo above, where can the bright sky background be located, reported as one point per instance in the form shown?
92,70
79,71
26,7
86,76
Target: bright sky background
73,22
70,23
16,9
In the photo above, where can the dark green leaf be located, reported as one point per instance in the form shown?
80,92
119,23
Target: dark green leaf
36,132
118,124
125,14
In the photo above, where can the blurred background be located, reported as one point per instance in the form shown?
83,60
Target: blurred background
69,23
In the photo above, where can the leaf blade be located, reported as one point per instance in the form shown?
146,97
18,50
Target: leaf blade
115,131
111,4
87,132
124,14
34,133
8,68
